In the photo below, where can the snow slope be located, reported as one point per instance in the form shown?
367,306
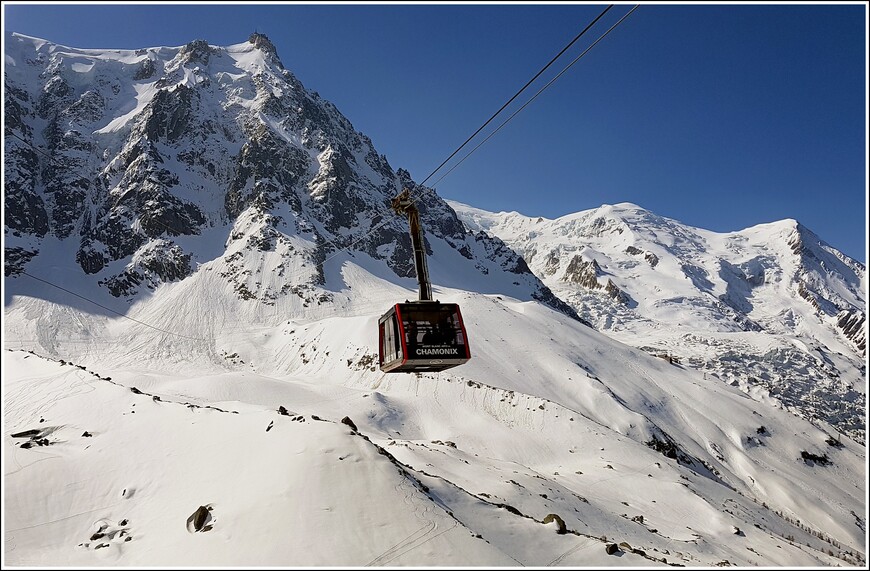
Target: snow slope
456,468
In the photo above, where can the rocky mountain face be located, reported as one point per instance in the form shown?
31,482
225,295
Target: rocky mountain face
130,155
772,309
820,270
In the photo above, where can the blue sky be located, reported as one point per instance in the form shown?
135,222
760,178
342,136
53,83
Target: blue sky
719,116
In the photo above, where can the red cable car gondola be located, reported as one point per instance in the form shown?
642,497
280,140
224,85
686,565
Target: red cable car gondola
424,335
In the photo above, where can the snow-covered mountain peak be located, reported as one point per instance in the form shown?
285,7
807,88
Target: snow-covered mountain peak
158,145
706,297
627,211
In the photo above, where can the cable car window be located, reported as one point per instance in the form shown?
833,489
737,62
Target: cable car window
394,337
436,326
382,344
391,346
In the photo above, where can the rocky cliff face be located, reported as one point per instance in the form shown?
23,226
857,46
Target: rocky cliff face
130,154
584,273
817,263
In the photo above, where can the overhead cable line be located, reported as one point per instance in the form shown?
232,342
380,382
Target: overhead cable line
517,94
176,232
488,121
112,310
536,94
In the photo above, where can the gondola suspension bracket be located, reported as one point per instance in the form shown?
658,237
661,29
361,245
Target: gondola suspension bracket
425,335
403,205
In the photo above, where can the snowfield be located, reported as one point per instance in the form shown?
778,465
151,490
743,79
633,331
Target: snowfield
456,468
